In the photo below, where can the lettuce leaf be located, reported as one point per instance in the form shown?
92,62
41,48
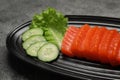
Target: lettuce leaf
53,23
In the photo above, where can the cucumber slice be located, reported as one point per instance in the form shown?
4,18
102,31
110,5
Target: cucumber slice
48,52
33,49
32,40
31,32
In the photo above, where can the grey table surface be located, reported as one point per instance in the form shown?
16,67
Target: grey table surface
16,12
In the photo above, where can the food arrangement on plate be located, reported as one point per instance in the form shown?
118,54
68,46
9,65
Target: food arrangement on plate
49,34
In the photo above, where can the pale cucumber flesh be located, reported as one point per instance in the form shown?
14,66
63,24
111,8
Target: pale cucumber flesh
35,31
33,49
48,52
32,40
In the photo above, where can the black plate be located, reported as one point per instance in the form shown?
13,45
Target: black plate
64,65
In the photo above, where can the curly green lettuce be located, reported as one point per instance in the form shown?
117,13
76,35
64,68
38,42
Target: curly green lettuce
53,23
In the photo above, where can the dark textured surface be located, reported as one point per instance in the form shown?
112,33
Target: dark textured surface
16,12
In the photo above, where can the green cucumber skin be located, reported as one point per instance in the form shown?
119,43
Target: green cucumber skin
32,40
31,32
48,52
33,49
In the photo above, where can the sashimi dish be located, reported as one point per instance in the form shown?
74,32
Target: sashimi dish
49,34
